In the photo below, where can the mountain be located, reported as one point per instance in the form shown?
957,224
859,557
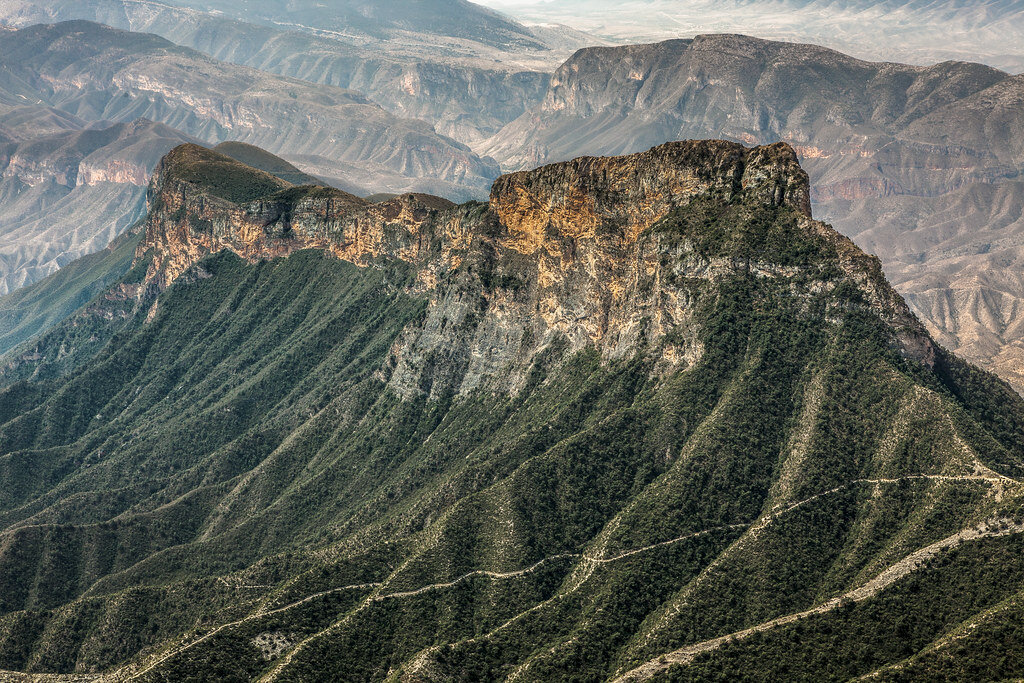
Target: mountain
915,31
468,86
35,308
375,18
636,417
94,72
67,189
891,149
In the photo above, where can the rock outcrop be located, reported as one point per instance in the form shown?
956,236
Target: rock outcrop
566,256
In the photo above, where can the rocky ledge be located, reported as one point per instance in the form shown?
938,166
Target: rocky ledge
569,256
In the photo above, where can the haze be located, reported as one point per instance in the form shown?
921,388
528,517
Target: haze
916,32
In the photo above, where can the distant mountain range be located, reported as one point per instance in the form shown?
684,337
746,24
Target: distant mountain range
99,73
900,157
915,31
67,187
355,19
468,76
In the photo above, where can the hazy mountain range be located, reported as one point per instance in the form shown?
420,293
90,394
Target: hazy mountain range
634,418
914,31
96,72
68,192
468,76
73,176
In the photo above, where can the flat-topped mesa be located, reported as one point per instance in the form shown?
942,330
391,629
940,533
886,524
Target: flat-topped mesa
618,254
628,194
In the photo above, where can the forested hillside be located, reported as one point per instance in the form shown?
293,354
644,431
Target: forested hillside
634,418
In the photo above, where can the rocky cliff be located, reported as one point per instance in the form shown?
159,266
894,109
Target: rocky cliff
578,254
889,148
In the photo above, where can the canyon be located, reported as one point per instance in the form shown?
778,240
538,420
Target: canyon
68,192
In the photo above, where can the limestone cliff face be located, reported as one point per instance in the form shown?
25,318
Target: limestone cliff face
119,171
561,259
186,224
572,200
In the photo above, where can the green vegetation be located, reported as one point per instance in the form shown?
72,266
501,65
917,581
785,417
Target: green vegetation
219,175
239,465
891,628
746,232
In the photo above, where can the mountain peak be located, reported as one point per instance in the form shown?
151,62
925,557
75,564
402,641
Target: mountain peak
216,174
630,193
595,252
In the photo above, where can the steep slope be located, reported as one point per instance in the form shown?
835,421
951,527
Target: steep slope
36,308
67,190
628,407
95,72
886,145
958,260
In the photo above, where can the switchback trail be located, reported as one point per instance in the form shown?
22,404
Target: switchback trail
591,563
910,563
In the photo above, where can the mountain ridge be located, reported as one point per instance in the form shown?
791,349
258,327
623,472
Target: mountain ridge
496,441
903,31
553,211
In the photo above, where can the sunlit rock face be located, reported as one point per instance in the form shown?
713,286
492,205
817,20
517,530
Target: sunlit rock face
564,254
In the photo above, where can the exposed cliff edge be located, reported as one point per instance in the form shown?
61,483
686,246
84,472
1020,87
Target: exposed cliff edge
583,253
